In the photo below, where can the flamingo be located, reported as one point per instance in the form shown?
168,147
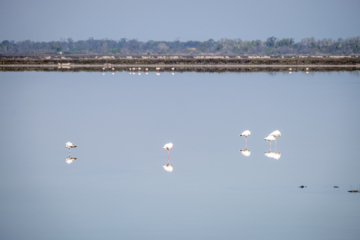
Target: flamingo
69,145
168,167
168,146
270,139
146,69
139,69
276,134
173,69
69,160
245,134
157,69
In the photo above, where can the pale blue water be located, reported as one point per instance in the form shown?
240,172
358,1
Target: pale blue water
117,188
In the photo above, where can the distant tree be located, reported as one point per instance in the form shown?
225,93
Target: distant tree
270,42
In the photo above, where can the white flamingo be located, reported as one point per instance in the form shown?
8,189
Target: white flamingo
168,146
270,139
157,69
245,134
276,134
69,145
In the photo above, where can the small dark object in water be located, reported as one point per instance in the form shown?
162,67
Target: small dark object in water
302,186
336,186
353,191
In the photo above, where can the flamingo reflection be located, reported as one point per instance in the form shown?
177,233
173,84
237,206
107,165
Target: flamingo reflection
69,160
168,167
245,152
274,155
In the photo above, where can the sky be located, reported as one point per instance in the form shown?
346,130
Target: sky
48,20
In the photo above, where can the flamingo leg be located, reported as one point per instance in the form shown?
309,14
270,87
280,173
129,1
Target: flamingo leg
275,144
270,146
69,152
245,142
168,156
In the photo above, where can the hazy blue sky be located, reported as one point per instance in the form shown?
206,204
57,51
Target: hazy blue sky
46,20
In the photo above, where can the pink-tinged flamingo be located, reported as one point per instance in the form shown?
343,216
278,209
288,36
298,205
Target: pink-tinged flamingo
276,134
270,139
168,146
245,134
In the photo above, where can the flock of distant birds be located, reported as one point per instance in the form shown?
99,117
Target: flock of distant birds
132,70
271,137
169,168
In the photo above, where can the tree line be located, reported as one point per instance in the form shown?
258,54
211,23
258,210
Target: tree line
224,46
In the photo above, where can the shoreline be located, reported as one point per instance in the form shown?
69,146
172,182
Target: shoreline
185,65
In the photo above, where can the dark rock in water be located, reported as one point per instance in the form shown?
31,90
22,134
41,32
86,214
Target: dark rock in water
336,186
302,186
353,191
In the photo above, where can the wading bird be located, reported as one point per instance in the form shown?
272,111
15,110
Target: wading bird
70,145
270,139
168,146
276,134
245,134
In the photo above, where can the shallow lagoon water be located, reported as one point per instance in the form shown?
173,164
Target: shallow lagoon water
117,187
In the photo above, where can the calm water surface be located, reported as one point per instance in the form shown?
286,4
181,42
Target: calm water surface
117,187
